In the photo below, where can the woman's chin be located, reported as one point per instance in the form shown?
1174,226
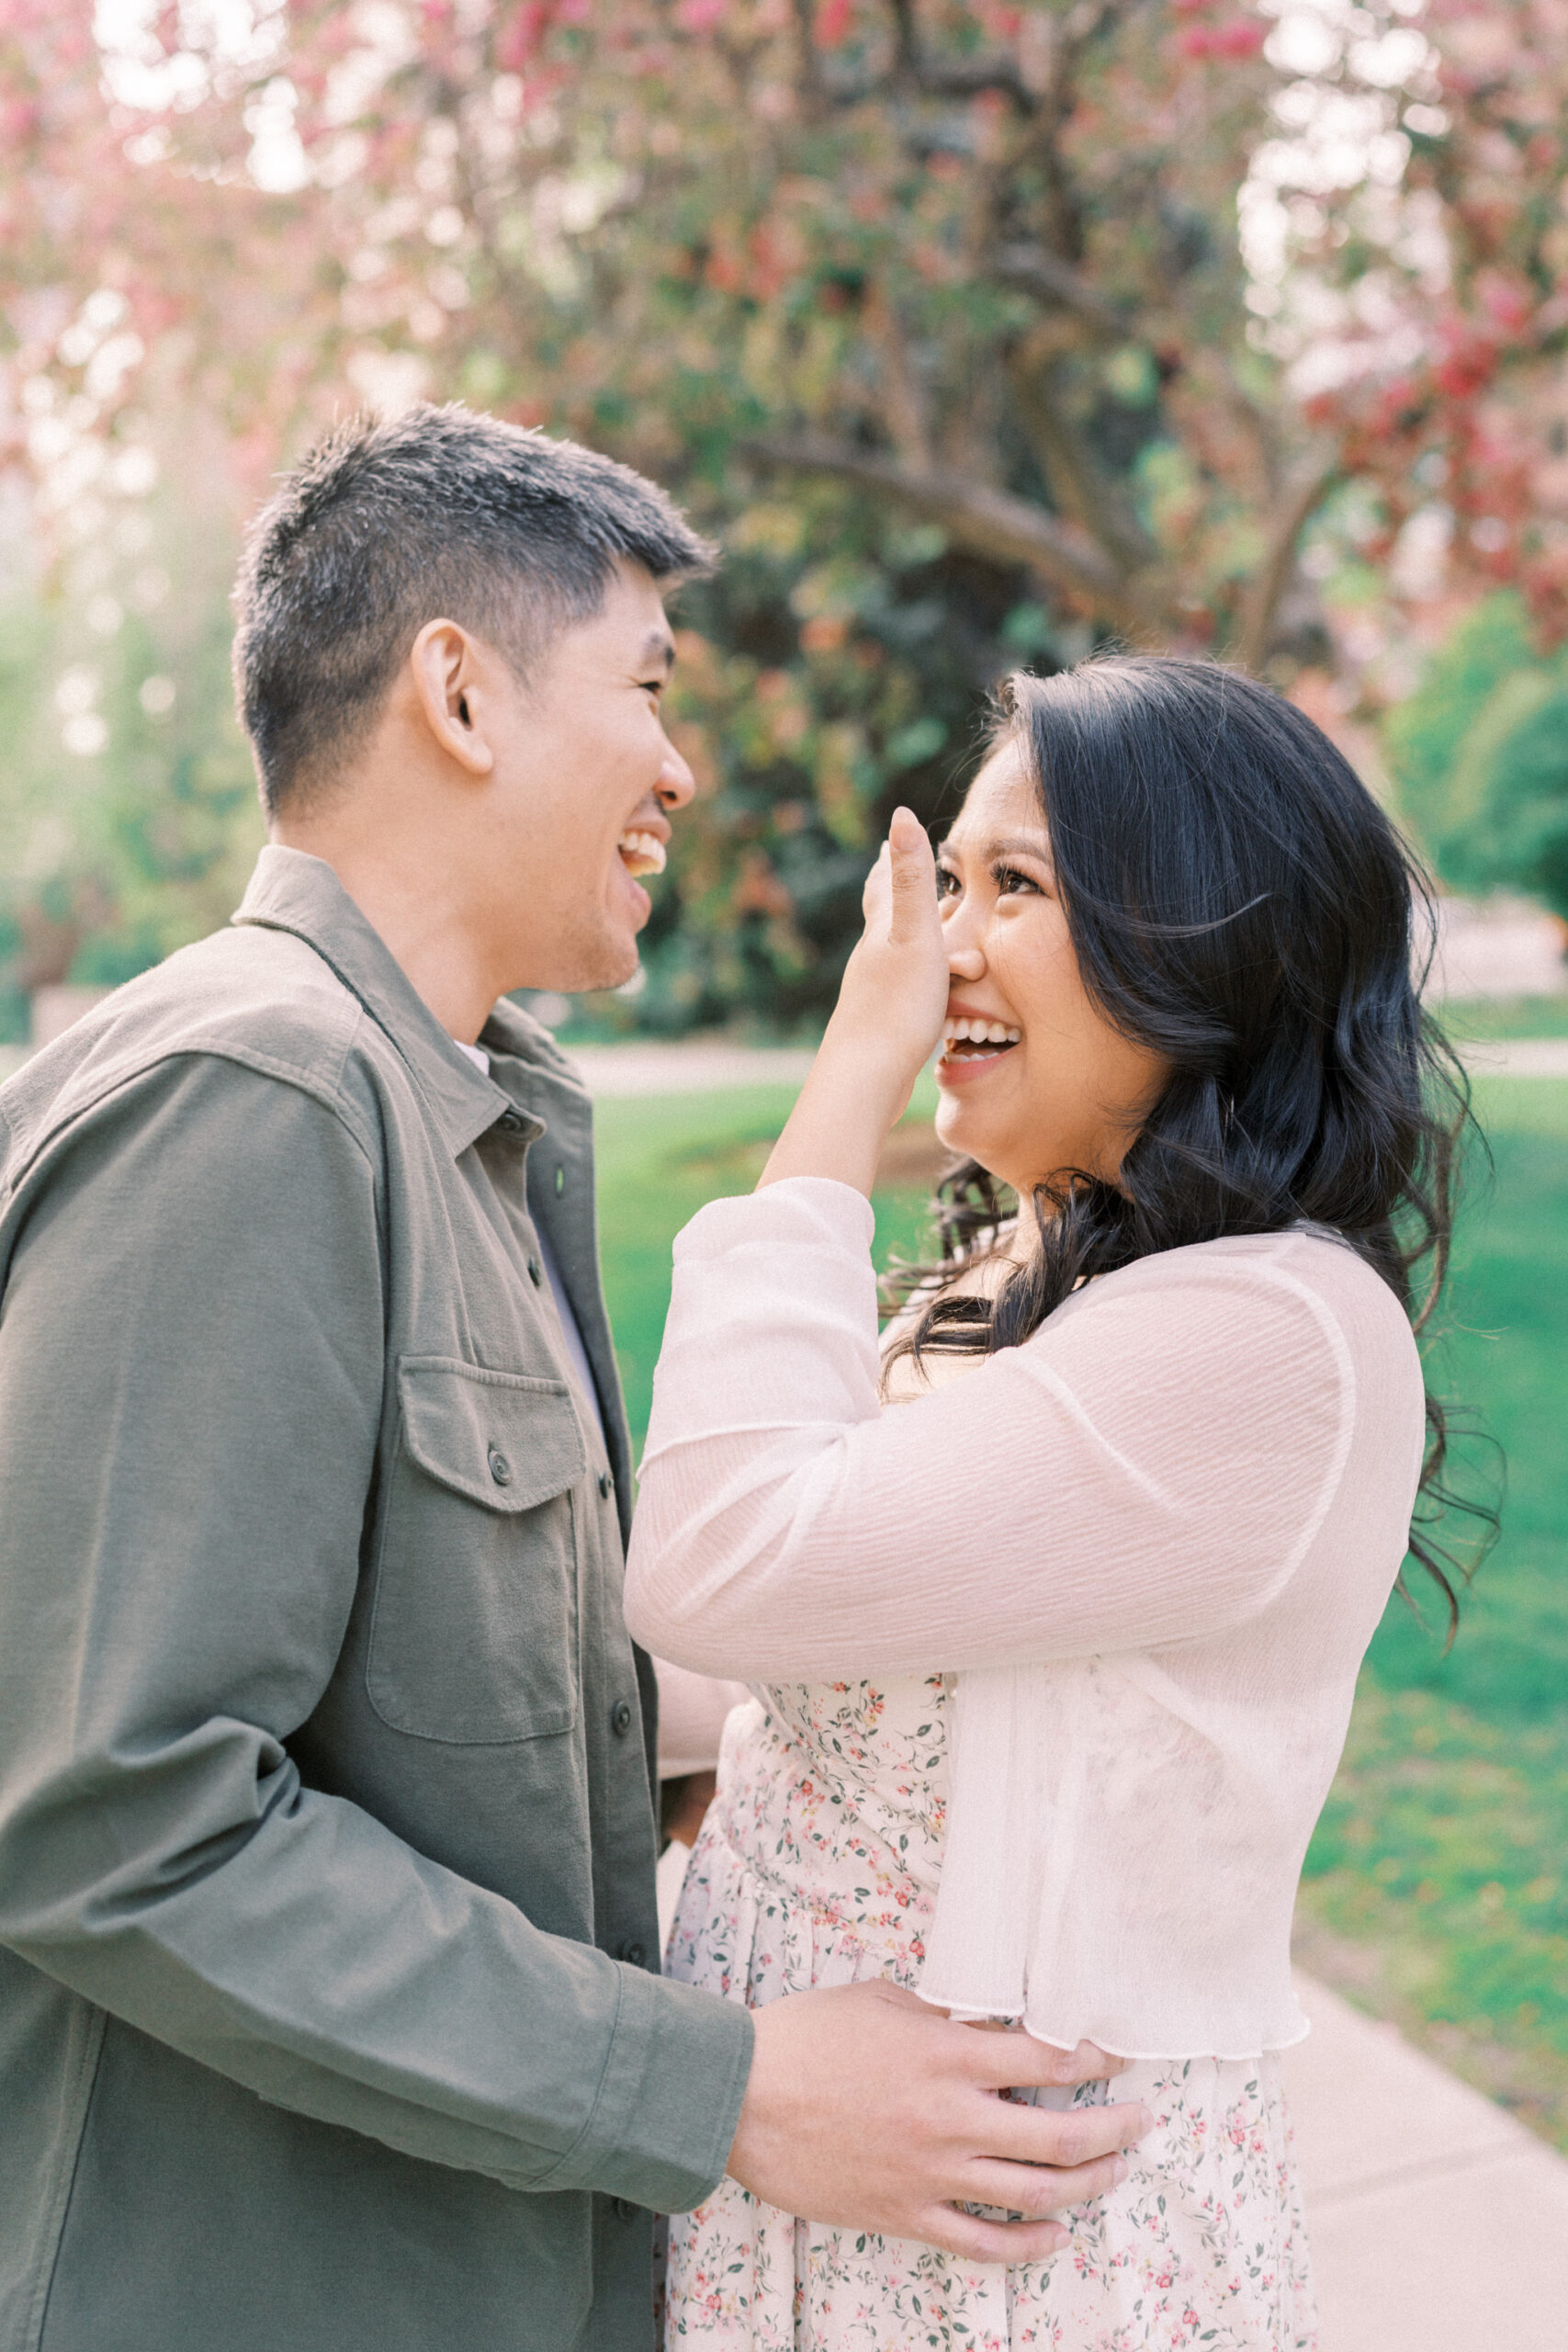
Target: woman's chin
958,1131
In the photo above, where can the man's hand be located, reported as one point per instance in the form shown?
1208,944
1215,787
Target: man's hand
869,2110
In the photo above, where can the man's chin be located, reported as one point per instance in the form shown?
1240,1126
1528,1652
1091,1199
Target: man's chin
620,968
606,963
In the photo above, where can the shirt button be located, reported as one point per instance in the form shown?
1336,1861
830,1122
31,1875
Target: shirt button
633,1953
620,1718
624,2211
536,1272
500,1468
606,1485
510,1123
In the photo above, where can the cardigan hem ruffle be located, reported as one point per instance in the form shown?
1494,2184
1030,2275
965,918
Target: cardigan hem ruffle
1113,2045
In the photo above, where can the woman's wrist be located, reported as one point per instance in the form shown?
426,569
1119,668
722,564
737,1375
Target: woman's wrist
886,1020
849,1102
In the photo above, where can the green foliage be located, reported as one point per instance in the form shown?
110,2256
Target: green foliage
128,812
1480,753
935,316
841,663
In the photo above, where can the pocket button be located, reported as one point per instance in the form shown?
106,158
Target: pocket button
500,1468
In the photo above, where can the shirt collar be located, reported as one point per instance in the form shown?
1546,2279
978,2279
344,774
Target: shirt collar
292,891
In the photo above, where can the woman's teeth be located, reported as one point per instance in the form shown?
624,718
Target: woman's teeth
641,853
980,1033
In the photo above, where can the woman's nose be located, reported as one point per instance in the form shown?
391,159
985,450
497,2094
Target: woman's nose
965,957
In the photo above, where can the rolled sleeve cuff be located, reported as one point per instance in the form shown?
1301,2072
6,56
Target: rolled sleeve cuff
669,2100
815,1212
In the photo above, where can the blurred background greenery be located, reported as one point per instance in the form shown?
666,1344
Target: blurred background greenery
979,333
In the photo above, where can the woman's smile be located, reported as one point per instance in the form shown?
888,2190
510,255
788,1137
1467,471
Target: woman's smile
973,1044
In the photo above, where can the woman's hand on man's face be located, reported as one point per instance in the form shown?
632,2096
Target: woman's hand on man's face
890,1016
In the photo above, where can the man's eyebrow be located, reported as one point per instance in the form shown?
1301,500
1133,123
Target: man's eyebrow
658,646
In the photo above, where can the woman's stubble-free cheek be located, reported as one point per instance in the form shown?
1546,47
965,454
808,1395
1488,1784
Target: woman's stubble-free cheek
993,1120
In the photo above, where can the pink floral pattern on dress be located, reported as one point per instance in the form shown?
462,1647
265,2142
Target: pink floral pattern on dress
819,1864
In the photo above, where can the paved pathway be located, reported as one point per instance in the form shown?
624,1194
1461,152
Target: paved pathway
1439,2224
699,1065
1520,1057
691,1066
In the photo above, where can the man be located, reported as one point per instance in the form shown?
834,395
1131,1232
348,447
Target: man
329,2007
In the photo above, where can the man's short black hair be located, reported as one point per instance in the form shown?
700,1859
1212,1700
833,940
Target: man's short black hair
438,514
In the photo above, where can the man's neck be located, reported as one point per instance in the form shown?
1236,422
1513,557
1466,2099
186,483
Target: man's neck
425,928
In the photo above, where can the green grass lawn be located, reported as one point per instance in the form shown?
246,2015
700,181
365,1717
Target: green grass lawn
1436,1887
1506,1016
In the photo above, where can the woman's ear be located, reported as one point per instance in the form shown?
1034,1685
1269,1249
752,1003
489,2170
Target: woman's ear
447,668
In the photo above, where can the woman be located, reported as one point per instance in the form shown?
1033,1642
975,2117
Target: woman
1058,1655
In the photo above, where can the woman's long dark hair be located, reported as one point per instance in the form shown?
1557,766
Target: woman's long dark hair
1239,903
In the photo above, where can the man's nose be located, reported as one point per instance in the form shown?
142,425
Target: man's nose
676,783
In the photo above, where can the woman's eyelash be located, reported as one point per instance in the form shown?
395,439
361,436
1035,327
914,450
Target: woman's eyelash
1004,876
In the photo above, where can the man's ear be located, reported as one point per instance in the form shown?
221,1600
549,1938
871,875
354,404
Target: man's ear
450,674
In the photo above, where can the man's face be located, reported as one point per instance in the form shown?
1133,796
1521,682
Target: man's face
586,782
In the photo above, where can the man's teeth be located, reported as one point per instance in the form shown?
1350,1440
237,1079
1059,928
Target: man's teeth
980,1033
641,853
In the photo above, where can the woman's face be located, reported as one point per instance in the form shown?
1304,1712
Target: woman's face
1049,1085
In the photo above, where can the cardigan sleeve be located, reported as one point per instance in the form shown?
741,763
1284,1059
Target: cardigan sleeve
1149,1467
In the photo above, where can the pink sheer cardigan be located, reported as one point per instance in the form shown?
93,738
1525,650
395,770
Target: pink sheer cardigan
1148,1548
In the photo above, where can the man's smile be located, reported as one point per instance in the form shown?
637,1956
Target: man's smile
641,852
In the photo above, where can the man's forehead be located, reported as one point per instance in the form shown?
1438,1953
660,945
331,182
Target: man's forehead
630,624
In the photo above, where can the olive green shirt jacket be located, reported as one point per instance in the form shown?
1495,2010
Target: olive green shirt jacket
330,2018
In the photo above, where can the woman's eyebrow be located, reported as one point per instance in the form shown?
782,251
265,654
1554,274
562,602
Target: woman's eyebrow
1012,845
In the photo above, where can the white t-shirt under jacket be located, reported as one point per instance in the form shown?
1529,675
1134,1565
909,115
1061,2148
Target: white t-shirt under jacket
1149,1547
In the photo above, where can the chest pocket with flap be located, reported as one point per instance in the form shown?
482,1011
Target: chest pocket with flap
473,1635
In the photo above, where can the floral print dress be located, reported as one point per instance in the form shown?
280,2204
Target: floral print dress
819,1864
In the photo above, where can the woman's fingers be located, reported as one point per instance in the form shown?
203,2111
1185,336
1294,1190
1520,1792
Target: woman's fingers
876,898
913,874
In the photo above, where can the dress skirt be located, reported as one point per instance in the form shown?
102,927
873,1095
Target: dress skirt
818,1866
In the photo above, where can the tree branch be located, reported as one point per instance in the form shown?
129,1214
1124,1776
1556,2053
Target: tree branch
1034,271
1260,605
904,403
913,69
905,41
1078,486
992,522
808,65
